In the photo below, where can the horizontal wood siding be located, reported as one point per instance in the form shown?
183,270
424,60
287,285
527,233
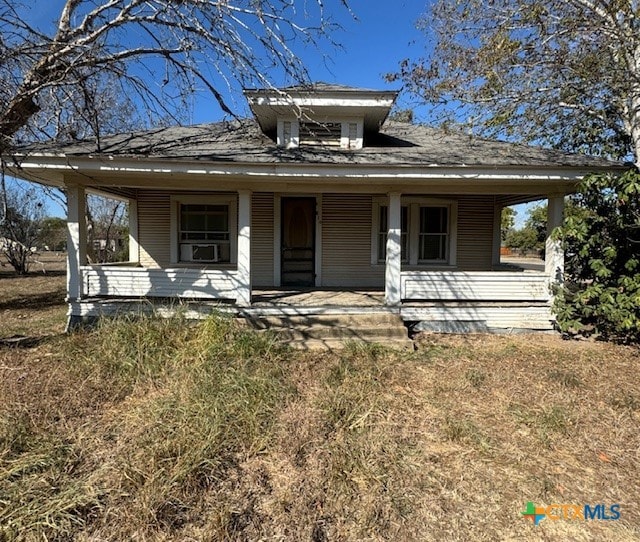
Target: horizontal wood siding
138,282
346,237
154,228
475,233
522,317
474,286
262,240
346,242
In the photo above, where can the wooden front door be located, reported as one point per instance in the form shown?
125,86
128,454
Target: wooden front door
298,241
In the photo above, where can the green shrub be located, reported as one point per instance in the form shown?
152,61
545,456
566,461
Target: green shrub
601,293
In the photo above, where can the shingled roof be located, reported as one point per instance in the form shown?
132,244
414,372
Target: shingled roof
397,144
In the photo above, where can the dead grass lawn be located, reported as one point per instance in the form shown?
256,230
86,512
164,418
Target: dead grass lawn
103,439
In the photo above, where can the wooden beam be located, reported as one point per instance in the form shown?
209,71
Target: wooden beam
394,251
76,240
554,256
244,248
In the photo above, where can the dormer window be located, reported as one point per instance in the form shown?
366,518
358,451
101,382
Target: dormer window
337,134
320,115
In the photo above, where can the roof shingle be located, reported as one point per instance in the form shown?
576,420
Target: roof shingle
397,144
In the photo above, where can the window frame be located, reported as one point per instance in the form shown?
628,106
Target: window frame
414,203
230,200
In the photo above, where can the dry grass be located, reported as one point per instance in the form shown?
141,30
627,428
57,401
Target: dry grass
162,430
33,304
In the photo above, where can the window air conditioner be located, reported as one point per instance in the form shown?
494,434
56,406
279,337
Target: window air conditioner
199,253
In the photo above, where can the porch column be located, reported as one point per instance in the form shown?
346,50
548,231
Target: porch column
244,248
554,256
497,234
134,245
76,240
393,267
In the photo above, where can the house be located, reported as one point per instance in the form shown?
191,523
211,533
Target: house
318,199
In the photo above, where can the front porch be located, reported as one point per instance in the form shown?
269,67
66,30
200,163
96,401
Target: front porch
361,254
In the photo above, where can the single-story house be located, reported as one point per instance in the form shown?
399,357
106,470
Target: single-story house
318,193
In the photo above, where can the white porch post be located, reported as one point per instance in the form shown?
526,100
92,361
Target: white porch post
134,246
497,234
76,240
393,265
554,256
244,248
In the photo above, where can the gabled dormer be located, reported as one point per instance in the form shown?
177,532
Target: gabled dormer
320,115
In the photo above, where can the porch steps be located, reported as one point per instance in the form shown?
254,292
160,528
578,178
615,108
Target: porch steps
333,331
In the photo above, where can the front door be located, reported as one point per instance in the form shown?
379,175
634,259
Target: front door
298,241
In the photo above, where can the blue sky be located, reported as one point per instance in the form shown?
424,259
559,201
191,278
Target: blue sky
373,42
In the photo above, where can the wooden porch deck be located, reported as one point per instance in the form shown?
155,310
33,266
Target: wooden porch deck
313,297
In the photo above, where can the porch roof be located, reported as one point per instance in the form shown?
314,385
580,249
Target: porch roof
242,142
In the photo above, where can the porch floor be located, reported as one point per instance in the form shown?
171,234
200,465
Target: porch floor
313,297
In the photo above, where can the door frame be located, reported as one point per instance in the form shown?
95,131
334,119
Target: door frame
277,236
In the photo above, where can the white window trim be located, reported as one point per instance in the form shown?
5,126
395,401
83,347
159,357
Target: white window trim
414,204
227,199
294,142
345,142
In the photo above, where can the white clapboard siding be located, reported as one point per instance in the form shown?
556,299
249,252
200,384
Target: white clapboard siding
518,317
475,232
262,239
474,286
140,282
346,242
154,223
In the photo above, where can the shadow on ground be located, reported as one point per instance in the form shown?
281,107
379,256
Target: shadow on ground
35,301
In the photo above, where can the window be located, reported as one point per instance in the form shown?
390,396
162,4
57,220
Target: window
204,229
345,134
382,233
326,134
434,234
204,233
428,231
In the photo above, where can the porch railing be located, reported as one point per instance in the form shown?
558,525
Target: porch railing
474,286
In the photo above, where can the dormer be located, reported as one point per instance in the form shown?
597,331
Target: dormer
320,115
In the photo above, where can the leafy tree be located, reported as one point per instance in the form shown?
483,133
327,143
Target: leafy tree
508,220
531,237
20,228
564,73
601,293
524,240
53,233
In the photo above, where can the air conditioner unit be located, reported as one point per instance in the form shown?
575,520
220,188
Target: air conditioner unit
199,253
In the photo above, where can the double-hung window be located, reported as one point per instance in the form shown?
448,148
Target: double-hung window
428,231
434,234
204,233
203,229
